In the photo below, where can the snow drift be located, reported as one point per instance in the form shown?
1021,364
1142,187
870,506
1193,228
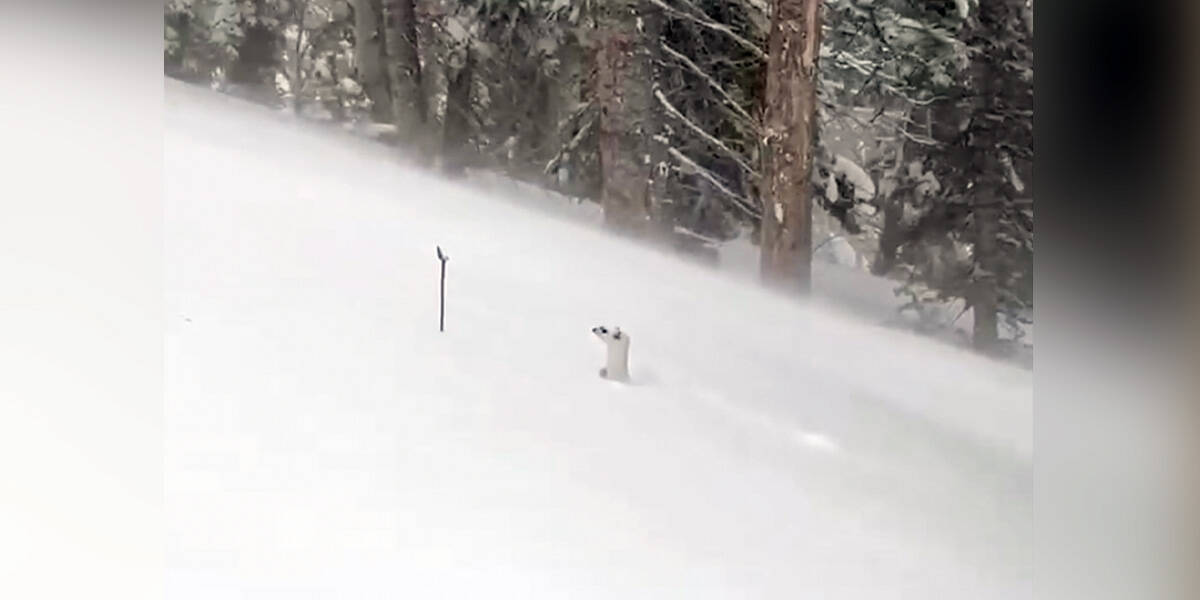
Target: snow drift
325,441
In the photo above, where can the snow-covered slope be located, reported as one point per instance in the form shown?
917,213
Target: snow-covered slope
325,441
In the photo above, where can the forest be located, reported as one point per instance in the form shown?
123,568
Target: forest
903,128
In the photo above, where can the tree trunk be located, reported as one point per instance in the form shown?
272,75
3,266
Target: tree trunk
174,63
297,78
257,58
457,122
790,124
983,285
986,193
565,98
404,68
369,57
624,101
892,235
434,51
536,133
662,210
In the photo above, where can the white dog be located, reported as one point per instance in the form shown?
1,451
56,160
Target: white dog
617,342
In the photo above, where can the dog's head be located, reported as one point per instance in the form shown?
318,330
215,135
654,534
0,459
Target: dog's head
608,334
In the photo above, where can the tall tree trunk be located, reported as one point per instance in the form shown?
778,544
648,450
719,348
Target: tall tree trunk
624,101
892,235
335,102
790,123
297,75
983,292
565,89
434,51
538,123
987,192
662,210
457,122
404,69
369,58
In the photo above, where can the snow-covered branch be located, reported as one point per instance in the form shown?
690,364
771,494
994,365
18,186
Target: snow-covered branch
708,23
692,234
758,5
574,143
712,83
897,127
741,203
887,82
737,158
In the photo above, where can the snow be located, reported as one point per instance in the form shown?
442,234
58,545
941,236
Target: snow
323,440
855,292
864,187
837,251
964,8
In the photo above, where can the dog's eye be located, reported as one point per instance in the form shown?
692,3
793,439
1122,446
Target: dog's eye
602,330
617,335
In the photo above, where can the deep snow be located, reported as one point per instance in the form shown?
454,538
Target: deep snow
323,439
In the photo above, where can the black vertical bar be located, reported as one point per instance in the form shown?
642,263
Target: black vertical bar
442,303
